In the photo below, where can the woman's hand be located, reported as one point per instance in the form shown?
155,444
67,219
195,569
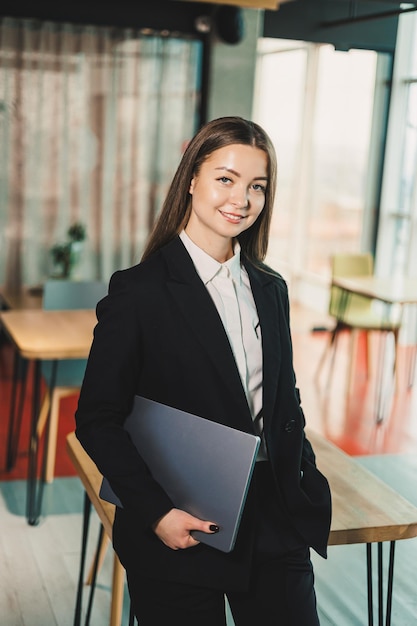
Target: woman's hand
174,529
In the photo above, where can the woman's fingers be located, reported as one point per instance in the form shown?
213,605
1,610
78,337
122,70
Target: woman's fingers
174,529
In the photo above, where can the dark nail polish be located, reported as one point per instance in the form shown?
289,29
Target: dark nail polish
214,528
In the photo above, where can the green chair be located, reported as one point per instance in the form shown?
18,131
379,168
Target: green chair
354,312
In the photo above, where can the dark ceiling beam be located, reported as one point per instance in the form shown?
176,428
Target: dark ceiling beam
159,15
336,22
369,17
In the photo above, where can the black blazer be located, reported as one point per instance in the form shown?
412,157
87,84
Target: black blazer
159,335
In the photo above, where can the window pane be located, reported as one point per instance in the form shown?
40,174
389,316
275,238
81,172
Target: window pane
345,90
409,164
279,108
413,45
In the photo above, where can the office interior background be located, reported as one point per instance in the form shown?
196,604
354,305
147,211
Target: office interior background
95,115
96,105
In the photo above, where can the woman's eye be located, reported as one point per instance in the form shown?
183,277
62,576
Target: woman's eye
259,187
224,179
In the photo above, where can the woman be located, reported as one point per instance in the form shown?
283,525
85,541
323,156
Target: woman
201,324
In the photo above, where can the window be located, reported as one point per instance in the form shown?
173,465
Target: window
397,239
317,104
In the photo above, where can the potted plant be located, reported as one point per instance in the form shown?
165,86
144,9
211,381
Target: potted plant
66,255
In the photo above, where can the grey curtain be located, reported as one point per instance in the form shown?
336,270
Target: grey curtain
93,121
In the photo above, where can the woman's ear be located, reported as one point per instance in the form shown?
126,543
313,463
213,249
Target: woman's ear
191,187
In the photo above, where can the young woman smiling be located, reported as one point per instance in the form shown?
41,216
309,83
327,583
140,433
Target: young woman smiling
201,324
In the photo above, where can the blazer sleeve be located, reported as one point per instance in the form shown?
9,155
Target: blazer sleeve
106,398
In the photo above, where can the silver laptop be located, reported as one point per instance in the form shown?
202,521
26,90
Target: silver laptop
204,467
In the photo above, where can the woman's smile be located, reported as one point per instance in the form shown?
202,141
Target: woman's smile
232,217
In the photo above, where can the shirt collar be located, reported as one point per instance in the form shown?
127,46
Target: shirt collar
206,266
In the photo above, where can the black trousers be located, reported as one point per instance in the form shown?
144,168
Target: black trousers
281,591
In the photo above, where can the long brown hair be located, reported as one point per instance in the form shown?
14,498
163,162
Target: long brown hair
176,209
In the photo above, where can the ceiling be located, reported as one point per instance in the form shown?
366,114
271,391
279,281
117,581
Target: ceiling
370,24
364,24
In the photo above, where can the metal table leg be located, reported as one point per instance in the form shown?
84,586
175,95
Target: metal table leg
20,368
86,523
369,584
80,586
34,485
390,581
94,576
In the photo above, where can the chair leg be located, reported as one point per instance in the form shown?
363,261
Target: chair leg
396,333
368,353
117,592
323,358
57,395
43,414
331,345
334,341
52,437
117,582
353,351
411,367
102,553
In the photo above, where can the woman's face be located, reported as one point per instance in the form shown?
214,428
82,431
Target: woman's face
228,195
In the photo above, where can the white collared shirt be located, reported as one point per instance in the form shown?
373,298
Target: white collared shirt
241,326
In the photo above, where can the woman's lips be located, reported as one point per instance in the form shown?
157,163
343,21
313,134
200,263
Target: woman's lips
232,217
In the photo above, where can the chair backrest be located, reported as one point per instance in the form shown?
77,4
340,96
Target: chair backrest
67,294
352,265
345,265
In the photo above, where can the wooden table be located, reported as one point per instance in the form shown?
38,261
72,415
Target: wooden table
38,335
365,509
24,298
389,290
360,511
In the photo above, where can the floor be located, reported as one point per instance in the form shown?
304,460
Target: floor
344,410
39,565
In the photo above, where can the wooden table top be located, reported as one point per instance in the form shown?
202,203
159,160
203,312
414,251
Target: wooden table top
365,509
389,290
40,334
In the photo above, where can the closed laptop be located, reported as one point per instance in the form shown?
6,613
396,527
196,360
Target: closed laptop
204,467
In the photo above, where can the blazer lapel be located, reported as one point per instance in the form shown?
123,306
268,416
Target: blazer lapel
269,314
200,314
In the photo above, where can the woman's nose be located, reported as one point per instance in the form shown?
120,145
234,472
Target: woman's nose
240,197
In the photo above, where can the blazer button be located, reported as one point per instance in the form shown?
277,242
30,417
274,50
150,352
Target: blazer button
289,426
